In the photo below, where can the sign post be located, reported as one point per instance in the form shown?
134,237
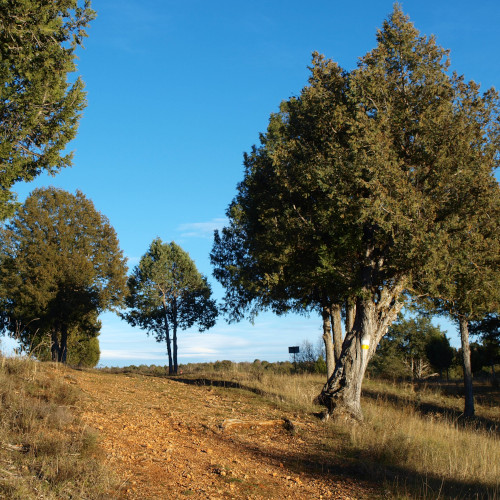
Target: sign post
294,350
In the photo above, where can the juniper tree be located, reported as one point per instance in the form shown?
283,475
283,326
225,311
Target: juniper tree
61,266
39,107
354,187
167,292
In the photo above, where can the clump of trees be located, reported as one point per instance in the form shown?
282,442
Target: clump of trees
60,266
413,348
39,107
167,293
370,185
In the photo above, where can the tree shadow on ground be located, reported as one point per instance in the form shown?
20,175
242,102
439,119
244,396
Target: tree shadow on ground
228,384
475,423
317,459
400,481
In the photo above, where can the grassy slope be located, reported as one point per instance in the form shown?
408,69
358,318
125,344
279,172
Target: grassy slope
413,439
45,450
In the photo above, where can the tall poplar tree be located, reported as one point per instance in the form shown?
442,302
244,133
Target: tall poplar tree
60,266
167,293
355,185
39,107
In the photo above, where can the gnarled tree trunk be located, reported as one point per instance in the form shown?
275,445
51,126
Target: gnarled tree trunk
342,393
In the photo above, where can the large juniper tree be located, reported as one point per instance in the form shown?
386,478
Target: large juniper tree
354,188
39,108
61,266
167,292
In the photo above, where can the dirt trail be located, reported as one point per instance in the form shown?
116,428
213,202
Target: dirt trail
163,439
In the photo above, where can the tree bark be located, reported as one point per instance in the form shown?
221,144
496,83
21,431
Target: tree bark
327,339
350,314
167,340
342,394
469,395
337,330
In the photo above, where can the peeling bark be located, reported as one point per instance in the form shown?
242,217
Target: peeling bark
337,330
342,393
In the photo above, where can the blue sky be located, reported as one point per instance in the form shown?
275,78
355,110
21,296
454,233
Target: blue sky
177,91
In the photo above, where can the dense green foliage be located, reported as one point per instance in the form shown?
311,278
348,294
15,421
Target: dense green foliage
167,292
61,266
412,348
39,108
364,186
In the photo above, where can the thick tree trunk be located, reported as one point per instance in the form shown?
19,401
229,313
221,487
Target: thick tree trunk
327,339
469,395
342,394
337,330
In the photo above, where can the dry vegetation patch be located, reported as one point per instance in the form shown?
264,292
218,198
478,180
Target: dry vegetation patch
233,434
46,451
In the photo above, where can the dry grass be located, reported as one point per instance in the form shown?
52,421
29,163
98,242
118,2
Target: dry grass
45,450
411,437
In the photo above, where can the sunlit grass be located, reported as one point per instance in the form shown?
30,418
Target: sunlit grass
46,451
418,454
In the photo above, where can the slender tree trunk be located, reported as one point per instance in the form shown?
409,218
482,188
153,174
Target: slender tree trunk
55,345
167,339
63,347
335,312
342,394
327,339
174,337
350,314
469,395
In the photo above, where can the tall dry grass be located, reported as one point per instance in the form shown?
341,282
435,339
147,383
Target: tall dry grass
45,450
419,454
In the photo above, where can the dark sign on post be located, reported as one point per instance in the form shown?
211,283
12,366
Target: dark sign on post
294,350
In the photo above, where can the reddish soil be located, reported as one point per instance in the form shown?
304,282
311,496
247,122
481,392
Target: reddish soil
165,439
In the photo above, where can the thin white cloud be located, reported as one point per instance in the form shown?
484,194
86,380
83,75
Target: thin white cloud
202,229
122,354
